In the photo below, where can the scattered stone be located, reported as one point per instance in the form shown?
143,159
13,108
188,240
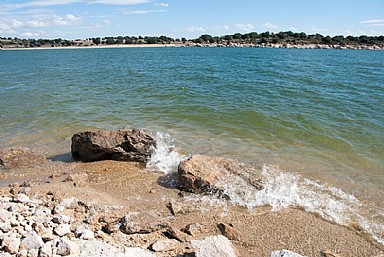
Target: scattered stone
61,219
62,229
32,241
229,231
69,203
111,227
164,245
78,179
46,250
175,208
214,246
83,232
121,145
285,253
194,229
141,223
63,247
11,243
201,174
21,198
173,233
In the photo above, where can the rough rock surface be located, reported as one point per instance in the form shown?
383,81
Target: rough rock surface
285,253
201,174
229,231
121,145
141,223
214,246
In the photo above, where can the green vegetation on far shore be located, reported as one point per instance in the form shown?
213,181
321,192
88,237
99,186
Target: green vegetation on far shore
257,39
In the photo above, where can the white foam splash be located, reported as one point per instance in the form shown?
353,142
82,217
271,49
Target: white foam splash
282,190
166,158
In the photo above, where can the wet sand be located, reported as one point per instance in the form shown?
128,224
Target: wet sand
130,186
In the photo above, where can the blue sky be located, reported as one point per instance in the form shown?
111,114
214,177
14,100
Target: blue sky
72,19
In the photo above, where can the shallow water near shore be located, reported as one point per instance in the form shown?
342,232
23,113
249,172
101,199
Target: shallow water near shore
311,119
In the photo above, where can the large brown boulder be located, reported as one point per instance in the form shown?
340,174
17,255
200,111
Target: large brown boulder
121,145
201,174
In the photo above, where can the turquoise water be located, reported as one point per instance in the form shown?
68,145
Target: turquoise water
315,113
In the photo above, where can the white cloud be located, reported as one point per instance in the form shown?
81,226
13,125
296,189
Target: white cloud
30,34
221,28
118,2
318,30
36,24
40,3
4,28
269,25
68,20
132,12
107,22
162,4
373,21
244,27
17,24
195,29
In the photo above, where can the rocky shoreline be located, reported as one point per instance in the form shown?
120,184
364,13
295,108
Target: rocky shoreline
114,208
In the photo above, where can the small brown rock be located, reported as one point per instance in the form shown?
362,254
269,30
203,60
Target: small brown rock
229,231
173,233
194,229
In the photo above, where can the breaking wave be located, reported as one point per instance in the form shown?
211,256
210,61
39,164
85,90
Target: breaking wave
166,158
281,190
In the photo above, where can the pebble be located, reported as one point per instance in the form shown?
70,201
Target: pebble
62,229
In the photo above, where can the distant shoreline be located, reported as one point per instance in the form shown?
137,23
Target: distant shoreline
189,44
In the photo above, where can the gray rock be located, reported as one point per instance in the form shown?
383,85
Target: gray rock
83,232
61,219
141,223
122,145
46,250
11,243
62,229
214,246
21,198
96,248
164,245
63,247
69,203
285,253
32,241
200,174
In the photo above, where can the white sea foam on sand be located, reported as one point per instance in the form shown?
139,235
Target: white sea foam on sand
281,190
166,158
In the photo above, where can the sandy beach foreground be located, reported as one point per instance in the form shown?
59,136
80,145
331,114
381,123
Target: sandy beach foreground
119,188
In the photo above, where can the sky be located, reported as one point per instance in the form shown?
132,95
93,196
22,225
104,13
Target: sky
81,19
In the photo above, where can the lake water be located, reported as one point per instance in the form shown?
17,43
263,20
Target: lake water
313,119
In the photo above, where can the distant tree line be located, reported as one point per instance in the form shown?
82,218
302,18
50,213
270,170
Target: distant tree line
287,37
